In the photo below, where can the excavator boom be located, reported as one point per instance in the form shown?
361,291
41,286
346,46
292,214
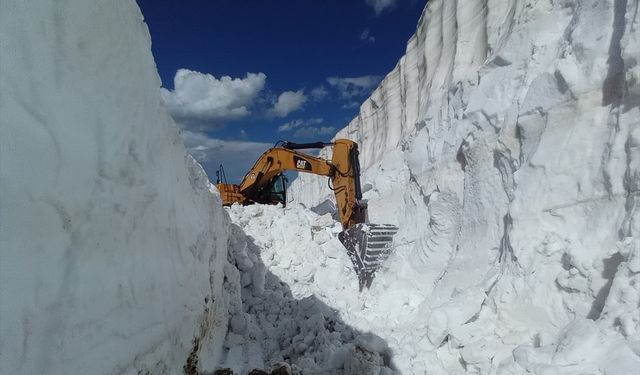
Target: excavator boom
368,245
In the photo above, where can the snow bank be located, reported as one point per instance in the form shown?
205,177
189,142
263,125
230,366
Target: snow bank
506,146
112,246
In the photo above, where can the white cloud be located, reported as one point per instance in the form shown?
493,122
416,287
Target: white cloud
355,86
307,128
211,152
288,126
293,124
204,100
308,132
319,93
351,105
380,5
288,101
364,35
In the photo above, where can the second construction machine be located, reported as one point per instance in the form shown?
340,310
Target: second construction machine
368,245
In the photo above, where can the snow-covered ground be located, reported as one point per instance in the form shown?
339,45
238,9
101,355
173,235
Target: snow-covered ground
297,301
112,246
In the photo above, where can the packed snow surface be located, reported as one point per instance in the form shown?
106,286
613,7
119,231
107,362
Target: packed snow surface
506,146
112,245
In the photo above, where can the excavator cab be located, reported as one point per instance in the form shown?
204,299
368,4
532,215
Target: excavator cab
273,192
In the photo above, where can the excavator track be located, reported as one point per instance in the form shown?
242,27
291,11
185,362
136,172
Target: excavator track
368,246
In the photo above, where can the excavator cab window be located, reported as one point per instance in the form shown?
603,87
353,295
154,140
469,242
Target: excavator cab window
274,192
279,189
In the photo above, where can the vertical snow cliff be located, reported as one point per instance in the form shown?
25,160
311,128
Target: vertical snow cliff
111,243
506,146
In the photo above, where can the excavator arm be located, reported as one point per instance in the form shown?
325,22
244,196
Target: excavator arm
343,170
368,245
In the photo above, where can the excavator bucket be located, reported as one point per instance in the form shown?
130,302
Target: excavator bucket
368,246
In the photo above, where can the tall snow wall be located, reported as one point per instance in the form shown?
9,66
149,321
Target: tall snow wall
506,146
111,243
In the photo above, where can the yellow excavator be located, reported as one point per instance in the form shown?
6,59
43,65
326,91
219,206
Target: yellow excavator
368,245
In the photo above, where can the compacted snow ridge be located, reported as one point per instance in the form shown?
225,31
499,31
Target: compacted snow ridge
506,146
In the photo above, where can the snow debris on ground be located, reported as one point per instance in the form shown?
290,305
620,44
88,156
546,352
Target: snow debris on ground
294,300
275,318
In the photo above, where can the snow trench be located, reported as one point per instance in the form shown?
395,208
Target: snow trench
505,145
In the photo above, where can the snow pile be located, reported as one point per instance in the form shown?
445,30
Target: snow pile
506,146
112,246
295,300
274,321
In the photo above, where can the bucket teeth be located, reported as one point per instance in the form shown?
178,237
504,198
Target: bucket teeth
368,246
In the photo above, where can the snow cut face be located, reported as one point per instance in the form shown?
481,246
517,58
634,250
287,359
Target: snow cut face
505,146
112,245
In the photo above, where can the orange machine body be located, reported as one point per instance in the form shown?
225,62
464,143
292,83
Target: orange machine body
264,184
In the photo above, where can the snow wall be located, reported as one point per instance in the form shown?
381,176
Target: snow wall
506,146
112,244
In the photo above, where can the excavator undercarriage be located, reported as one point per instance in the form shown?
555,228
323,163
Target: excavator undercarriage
368,245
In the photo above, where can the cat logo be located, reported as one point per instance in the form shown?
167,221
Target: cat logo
300,163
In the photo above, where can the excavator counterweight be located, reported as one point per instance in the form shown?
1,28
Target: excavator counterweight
368,245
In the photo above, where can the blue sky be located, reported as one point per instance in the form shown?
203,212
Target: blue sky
238,75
